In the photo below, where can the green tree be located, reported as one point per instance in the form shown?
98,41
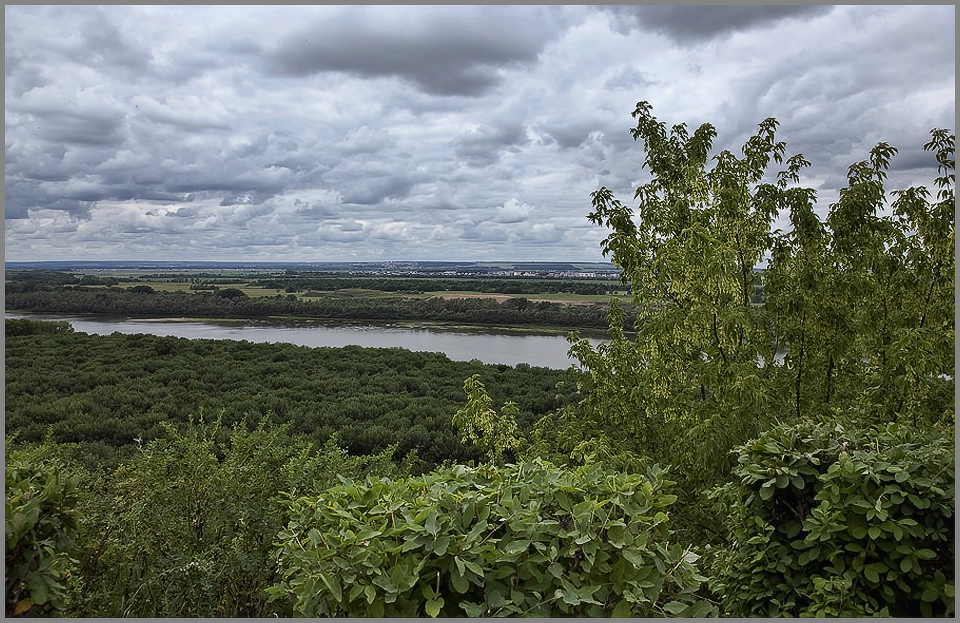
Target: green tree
494,433
857,313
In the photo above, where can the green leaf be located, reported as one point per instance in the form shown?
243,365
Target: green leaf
515,547
568,594
872,573
697,610
37,586
622,610
926,554
333,585
459,583
633,557
433,607
675,607
475,568
495,599
431,523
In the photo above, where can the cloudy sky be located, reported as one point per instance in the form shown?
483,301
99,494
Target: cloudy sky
464,133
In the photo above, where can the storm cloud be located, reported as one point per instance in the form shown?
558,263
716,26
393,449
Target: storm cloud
423,132
460,53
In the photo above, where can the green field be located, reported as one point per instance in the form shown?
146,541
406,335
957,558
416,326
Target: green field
352,293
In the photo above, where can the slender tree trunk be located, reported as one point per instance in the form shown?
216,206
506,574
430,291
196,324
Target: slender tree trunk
799,383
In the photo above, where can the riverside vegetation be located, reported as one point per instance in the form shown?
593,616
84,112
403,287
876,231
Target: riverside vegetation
692,472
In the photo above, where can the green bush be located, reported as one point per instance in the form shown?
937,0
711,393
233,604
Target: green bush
185,527
826,522
528,539
25,326
40,524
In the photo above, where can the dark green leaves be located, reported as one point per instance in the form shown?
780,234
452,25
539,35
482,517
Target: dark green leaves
554,557
857,539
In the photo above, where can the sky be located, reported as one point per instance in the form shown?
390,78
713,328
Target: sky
370,133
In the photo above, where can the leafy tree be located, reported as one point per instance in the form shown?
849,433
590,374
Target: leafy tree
858,310
494,433
231,293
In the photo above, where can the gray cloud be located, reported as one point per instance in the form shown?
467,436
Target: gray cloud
376,190
629,78
21,196
483,147
460,55
422,133
687,24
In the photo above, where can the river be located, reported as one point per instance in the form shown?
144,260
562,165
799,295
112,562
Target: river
488,346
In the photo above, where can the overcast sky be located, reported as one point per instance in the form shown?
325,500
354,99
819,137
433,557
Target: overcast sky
463,133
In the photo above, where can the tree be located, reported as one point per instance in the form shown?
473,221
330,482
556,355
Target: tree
857,315
494,433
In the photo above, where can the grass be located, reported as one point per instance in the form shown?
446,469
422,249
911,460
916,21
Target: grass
364,293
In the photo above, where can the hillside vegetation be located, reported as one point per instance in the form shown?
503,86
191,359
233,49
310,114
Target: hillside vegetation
728,456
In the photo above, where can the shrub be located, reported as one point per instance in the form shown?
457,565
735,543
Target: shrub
827,522
528,539
26,326
185,527
40,524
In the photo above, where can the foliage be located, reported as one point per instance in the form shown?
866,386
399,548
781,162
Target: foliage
858,310
527,539
494,433
40,523
15,327
201,304
185,528
114,389
830,522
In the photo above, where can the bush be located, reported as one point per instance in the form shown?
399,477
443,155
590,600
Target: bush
529,539
26,326
827,522
185,527
40,524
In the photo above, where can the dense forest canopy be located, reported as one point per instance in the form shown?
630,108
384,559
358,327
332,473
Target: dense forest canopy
77,388
724,454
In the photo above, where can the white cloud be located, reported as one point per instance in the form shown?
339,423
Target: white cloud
174,132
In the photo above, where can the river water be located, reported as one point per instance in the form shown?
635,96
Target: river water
493,347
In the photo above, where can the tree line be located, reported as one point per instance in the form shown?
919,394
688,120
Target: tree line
120,301
419,285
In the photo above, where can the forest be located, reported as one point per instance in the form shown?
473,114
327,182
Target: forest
233,303
71,387
719,456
